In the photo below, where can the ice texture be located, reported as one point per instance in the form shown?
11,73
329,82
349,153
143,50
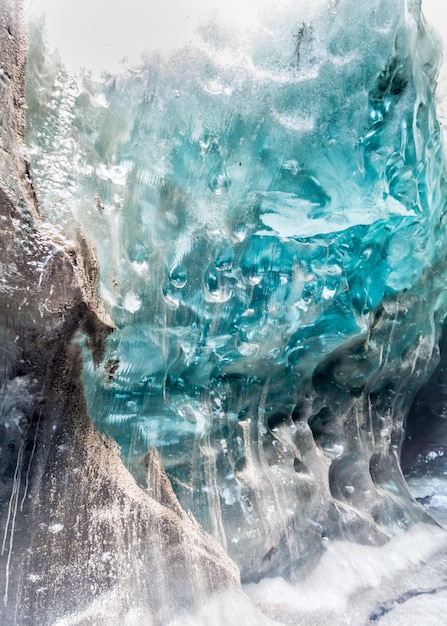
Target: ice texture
269,217
78,537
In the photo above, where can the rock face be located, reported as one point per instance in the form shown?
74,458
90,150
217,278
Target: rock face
80,541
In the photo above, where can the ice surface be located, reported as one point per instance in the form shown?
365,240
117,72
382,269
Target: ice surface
362,584
431,492
268,212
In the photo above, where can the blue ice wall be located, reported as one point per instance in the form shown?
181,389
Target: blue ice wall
269,220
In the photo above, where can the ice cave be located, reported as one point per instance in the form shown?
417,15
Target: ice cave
223,299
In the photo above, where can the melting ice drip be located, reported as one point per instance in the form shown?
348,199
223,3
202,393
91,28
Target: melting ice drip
269,218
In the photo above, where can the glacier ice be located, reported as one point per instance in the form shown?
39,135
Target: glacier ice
77,535
267,206
269,226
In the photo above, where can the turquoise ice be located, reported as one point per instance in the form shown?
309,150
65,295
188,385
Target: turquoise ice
269,221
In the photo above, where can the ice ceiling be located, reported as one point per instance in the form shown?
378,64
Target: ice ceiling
268,207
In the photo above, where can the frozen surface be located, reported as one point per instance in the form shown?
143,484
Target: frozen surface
431,492
361,585
268,208
265,190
